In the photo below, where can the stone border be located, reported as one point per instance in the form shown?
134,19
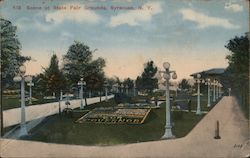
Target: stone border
112,119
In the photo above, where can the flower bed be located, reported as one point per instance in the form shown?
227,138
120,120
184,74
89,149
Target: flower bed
115,116
137,106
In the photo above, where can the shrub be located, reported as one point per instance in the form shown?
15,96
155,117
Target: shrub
122,98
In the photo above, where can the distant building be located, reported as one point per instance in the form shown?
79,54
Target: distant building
214,73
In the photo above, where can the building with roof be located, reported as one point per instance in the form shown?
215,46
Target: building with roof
214,73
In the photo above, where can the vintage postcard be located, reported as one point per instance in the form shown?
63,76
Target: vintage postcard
124,78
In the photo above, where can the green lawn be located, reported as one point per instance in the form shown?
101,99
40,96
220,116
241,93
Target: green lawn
183,98
183,126
58,129
14,102
10,103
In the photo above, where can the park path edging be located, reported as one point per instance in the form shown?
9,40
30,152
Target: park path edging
12,116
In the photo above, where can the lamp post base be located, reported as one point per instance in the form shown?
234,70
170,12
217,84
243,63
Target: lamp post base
198,112
217,137
81,105
23,131
168,134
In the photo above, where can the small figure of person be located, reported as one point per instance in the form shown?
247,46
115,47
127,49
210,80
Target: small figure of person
67,103
189,105
156,101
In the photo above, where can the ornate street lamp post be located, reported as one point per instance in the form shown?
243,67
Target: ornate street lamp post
126,89
134,88
122,88
60,100
229,91
198,81
217,90
90,94
22,78
214,88
30,84
81,83
208,83
106,90
167,76
220,90
115,88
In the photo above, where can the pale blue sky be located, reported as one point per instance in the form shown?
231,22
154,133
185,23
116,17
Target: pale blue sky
190,34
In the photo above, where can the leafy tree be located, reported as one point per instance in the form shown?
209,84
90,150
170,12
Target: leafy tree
78,62
11,59
184,84
111,82
237,73
239,57
118,82
39,90
146,82
95,82
115,83
128,83
53,77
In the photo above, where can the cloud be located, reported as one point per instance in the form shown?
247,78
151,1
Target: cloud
136,17
66,36
205,21
81,15
233,7
53,19
26,24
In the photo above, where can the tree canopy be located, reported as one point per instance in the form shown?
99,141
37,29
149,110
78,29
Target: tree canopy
239,55
129,83
146,82
11,58
184,84
53,77
79,63
95,81
236,75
